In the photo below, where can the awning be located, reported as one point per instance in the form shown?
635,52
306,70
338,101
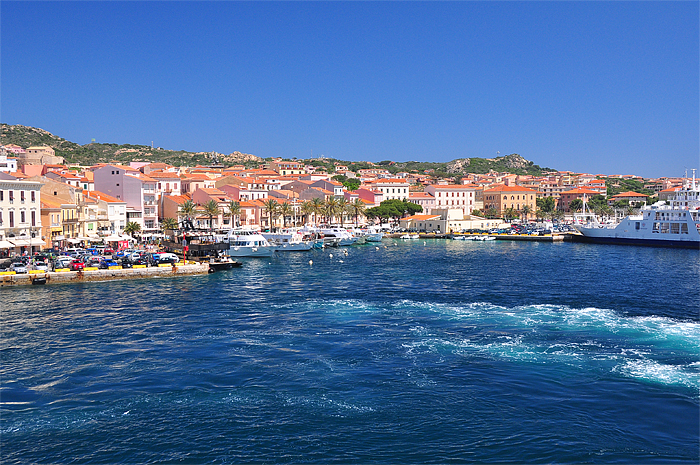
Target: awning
20,243
36,241
112,238
73,240
83,238
59,238
6,245
126,238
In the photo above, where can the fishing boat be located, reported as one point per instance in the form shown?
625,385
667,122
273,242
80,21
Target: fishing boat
676,224
248,243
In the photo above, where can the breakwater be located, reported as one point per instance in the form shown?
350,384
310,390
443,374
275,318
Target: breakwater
57,277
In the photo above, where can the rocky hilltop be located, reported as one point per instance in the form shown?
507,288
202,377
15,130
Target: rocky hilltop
92,153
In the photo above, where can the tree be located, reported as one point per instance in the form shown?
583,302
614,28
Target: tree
168,224
525,211
233,210
358,207
478,213
211,208
131,228
187,211
342,209
331,208
316,207
271,207
307,208
546,204
352,184
285,209
491,212
576,205
509,214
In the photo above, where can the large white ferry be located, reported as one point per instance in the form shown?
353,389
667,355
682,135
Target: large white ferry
665,225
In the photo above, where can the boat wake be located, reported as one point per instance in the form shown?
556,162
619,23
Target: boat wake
649,349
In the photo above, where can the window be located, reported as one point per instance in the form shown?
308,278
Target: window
22,217
33,218
33,196
2,195
12,219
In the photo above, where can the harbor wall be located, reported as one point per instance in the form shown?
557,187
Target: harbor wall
57,277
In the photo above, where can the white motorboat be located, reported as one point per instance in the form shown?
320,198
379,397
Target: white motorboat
248,243
290,240
410,236
673,225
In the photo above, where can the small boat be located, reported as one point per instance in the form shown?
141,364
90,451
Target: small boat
39,280
224,263
410,236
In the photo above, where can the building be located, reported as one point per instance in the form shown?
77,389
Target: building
391,188
502,197
573,194
20,214
423,199
629,196
461,196
285,168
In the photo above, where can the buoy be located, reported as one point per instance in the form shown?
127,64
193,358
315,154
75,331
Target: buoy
376,248
341,261
311,262
330,255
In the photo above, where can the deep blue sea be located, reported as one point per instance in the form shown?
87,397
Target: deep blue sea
430,351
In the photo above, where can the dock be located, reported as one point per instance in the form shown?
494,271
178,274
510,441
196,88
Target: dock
58,277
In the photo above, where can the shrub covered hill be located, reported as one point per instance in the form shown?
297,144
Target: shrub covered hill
92,153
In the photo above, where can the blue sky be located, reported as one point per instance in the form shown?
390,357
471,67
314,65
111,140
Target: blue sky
599,87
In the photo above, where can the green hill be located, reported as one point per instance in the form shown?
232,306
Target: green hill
89,154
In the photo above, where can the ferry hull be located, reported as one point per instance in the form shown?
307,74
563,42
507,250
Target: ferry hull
637,241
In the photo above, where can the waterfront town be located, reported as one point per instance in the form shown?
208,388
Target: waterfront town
48,204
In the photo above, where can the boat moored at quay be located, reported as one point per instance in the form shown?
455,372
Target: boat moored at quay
676,224
245,242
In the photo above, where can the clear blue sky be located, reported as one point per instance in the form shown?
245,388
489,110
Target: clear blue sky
600,87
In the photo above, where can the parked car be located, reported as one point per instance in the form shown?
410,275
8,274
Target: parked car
62,261
18,267
77,265
106,263
166,258
40,265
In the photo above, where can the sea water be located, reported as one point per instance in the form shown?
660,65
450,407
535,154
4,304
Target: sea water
405,351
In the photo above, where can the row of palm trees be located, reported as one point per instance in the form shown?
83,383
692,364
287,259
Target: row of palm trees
327,210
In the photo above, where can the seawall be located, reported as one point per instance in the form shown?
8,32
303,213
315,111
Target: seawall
57,277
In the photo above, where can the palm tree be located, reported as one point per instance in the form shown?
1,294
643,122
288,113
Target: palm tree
285,210
211,208
358,207
168,224
307,208
526,210
131,228
188,210
233,210
317,205
342,209
331,209
271,207
509,213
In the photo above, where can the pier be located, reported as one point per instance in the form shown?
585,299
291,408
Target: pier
57,277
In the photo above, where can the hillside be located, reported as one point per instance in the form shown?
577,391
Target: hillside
92,153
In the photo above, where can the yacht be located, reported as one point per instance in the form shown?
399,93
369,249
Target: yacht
290,240
676,224
248,243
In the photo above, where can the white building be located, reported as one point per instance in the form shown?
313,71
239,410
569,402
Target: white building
20,215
